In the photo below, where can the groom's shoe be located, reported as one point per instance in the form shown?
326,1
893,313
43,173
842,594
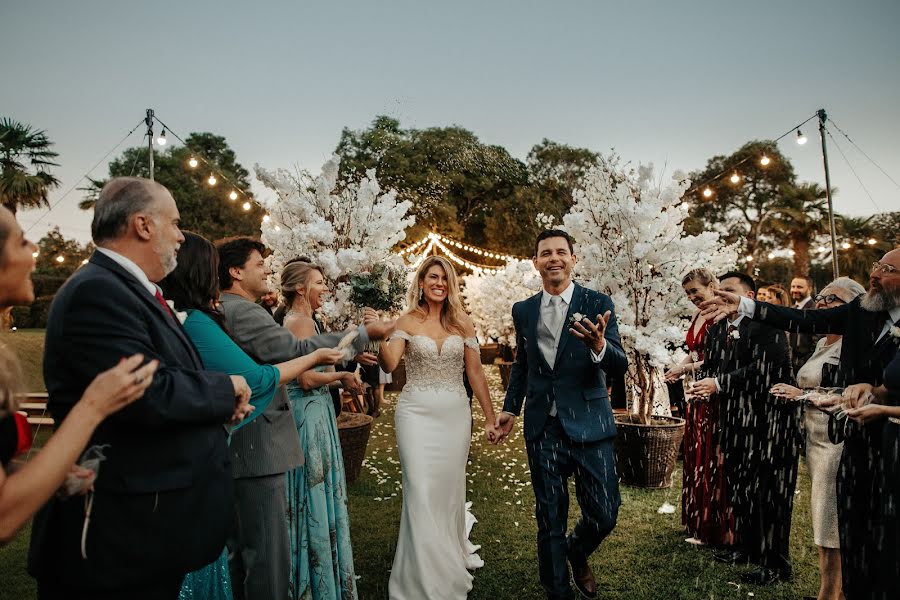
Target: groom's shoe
583,577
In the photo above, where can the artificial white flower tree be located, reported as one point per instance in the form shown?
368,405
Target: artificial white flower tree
631,245
489,298
346,227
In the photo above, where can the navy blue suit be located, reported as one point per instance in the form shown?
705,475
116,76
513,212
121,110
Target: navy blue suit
577,441
163,498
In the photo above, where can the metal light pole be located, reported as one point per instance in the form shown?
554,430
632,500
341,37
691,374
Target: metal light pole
149,121
834,252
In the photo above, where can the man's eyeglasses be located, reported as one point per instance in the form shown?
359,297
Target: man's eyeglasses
829,299
879,267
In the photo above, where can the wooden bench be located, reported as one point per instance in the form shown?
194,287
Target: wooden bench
34,406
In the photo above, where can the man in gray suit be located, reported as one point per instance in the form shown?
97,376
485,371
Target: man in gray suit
263,451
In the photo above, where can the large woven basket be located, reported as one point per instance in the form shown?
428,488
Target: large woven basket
354,430
646,454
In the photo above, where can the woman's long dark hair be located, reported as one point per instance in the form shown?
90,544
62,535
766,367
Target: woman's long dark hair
194,284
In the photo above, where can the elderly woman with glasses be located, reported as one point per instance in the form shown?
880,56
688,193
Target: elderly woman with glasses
822,456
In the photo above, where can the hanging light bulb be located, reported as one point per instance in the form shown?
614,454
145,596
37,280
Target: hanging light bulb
232,195
765,160
192,163
161,140
872,241
735,178
60,259
34,255
246,206
266,218
749,258
801,139
707,193
845,245
212,179
771,255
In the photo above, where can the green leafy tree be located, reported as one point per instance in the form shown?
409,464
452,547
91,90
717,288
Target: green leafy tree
856,253
801,214
59,256
205,210
743,211
453,179
25,159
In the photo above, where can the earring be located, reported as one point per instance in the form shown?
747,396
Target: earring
421,294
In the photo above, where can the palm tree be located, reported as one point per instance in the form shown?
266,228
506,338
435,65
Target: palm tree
25,156
855,247
801,214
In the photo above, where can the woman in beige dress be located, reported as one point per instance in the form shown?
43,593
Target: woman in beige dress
823,457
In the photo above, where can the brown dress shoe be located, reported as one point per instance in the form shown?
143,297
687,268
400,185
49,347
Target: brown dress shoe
583,577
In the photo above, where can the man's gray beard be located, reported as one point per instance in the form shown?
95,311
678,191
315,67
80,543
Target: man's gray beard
874,301
169,263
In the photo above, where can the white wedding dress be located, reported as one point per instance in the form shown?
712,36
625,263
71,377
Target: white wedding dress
434,427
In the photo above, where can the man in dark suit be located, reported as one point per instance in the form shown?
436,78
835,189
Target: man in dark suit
560,372
161,505
866,349
265,449
760,435
802,344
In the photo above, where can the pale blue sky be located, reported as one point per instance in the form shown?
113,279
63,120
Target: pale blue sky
665,82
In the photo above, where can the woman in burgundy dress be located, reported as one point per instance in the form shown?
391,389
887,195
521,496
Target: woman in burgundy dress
704,509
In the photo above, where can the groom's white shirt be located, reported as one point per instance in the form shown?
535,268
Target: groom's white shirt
566,297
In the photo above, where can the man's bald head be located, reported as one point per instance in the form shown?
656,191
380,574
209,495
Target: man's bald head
120,199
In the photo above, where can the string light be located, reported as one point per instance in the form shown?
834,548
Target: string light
872,241
60,259
212,180
233,195
161,140
749,258
845,245
765,160
707,192
771,255
735,178
192,163
801,139
247,206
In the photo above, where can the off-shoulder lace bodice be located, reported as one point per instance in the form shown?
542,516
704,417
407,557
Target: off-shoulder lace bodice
431,364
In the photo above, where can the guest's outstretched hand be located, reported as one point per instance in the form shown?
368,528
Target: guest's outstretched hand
328,356
367,359
720,306
379,330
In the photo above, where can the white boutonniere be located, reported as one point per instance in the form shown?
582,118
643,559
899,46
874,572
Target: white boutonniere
735,335
575,318
894,332
180,315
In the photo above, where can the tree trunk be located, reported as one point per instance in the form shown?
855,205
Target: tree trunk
647,394
800,245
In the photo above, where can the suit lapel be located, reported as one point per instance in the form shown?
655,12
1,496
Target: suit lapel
137,287
564,335
535,311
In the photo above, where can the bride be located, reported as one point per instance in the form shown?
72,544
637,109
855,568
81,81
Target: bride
434,428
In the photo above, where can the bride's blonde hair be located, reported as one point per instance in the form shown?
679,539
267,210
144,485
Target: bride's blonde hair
452,312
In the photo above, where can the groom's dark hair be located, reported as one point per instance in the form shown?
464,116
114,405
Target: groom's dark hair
747,281
552,233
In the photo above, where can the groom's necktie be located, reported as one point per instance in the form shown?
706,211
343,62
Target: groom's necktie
548,340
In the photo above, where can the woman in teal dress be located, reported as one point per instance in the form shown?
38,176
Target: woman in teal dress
319,525
193,288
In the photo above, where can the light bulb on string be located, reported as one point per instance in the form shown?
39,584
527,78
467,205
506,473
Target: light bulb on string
707,192
771,255
735,178
266,218
34,255
872,241
192,162
845,245
233,195
212,180
801,139
161,140
765,160
60,259
246,206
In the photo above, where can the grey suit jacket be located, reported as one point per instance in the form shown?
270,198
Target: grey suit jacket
270,444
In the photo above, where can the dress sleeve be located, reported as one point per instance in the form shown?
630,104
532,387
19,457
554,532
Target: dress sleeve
220,353
401,334
473,344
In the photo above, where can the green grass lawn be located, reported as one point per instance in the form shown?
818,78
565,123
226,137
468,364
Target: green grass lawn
28,345
644,558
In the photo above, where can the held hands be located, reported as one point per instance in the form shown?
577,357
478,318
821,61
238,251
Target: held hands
504,424
242,406
493,434
866,413
118,387
859,394
704,388
591,334
719,307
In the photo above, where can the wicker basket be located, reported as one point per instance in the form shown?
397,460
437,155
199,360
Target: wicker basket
646,454
354,430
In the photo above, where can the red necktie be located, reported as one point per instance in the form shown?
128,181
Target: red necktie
162,302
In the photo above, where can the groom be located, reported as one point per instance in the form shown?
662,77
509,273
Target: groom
560,371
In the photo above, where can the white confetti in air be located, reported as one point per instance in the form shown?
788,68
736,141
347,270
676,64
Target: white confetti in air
666,509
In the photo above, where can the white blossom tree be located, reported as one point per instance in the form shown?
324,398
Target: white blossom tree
489,298
631,245
346,227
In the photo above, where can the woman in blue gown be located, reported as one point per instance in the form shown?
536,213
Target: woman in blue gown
319,524
193,288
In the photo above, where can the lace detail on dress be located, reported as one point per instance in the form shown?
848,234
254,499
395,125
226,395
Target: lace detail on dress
473,344
401,334
431,367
